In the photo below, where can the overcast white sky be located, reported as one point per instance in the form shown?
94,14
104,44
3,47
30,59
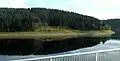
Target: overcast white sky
102,9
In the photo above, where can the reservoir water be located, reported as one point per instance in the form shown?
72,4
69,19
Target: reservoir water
109,44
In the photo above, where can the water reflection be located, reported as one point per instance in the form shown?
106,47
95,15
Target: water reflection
109,44
27,47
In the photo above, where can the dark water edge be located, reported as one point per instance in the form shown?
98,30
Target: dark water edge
38,47
116,35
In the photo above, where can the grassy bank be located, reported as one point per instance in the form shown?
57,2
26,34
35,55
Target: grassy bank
54,33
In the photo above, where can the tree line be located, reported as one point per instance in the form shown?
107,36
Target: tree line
21,19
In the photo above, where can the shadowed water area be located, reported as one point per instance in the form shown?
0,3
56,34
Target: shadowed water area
39,47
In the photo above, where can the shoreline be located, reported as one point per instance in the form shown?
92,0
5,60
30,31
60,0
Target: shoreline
53,36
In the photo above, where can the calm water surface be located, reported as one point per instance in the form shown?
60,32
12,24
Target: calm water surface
109,44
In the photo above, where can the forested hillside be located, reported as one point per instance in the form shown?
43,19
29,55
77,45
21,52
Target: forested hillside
20,19
115,25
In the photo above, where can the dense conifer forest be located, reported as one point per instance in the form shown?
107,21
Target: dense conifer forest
115,23
115,26
21,19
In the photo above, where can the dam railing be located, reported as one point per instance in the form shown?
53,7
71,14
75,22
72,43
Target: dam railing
101,55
